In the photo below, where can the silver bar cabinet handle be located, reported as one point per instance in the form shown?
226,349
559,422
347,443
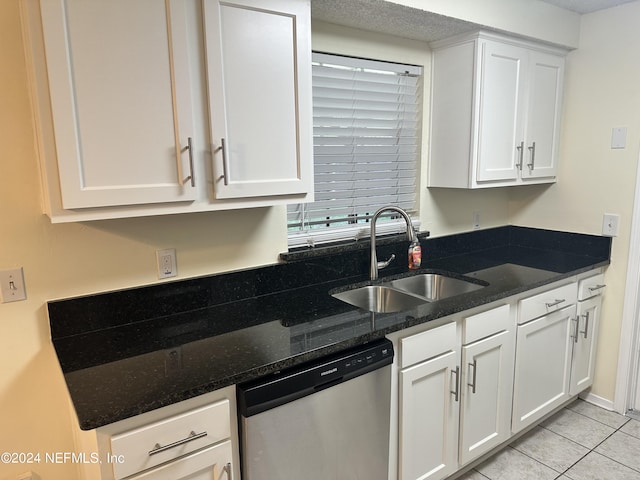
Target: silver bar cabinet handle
190,148
575,335
520,149
596,287
456,393
586,325
225,162
192,436
227,469
532,149
553,304
474,365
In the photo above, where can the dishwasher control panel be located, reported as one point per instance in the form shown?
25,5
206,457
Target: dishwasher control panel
287,385
357,363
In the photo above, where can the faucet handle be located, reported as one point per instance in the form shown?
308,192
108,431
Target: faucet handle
386,262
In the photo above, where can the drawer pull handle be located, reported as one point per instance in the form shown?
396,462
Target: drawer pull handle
596,287
575,336
227,470
553,304
192,436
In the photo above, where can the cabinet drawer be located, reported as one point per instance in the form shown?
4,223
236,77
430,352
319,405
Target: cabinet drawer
181,434
486,324
207,464
590,287
429,344
546,302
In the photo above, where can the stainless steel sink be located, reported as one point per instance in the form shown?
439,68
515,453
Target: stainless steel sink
434,286
378,298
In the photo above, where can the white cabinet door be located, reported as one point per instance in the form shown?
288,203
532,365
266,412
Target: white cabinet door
508,93
429,418
545,79
485,411
213,463
258,57
501,102
120,100
542,369
584,346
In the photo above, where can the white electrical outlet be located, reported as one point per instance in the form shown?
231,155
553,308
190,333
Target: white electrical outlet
12,285
610,222
167,265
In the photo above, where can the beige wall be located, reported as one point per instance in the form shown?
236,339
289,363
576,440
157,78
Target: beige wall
602,91
71,259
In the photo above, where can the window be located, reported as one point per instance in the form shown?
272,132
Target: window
366,138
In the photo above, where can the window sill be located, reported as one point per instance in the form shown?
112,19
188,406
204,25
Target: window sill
304,253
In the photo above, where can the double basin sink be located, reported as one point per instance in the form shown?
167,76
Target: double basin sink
408,292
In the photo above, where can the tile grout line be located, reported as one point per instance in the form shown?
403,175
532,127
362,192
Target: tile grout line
589,450
596,420
592,450
613,459
548,466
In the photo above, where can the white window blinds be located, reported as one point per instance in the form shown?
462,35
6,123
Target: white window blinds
366,130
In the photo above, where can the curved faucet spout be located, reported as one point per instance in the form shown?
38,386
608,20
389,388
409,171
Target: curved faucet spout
411,235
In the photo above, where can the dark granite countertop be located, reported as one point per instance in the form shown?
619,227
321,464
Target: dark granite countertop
127,352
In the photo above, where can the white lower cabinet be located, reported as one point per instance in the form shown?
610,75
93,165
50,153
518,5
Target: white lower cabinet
428,411
466,387
486,395
455,404
583,362
195,439
543,358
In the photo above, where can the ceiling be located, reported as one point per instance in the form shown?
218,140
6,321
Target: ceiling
586,6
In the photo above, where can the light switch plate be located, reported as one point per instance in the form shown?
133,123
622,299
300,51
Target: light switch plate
619,137
610,222
475,220
12,285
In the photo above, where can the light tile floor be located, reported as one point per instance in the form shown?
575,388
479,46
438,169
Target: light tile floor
581,442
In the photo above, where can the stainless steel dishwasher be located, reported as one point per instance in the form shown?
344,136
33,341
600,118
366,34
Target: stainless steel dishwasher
328,419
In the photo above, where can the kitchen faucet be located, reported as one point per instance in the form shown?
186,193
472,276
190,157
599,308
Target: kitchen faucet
411,235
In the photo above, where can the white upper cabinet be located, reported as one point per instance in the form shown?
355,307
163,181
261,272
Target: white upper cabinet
546,74
258,59
495,112
134,100
120,100
500,125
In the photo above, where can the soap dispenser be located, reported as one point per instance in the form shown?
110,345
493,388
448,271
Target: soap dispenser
415,253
